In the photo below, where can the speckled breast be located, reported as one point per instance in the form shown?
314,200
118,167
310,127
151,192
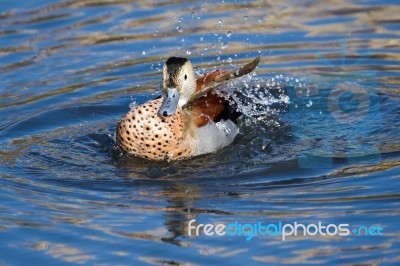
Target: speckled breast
142,133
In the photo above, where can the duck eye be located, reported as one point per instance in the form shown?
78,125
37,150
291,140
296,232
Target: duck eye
185,77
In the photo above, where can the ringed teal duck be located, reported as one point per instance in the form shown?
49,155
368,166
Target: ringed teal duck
188,120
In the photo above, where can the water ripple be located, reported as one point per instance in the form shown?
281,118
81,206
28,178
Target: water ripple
71,68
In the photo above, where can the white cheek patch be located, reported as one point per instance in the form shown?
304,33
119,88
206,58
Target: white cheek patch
182,101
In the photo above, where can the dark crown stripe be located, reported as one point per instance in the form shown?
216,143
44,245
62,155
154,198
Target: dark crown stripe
176,61
174,64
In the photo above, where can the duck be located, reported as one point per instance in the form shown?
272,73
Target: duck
190,118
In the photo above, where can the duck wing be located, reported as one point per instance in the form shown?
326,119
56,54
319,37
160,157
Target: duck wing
206,106
207,83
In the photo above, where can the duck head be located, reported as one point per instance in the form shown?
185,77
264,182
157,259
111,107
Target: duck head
179,84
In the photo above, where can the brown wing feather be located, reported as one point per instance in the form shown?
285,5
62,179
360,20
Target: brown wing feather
206,106
221,77
210,107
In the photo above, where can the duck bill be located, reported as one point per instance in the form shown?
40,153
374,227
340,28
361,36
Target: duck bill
171,99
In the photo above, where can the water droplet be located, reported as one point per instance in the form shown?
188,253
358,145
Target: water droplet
228,34
144,52
246,17
224,45
223,127
188,52
132,105
179,29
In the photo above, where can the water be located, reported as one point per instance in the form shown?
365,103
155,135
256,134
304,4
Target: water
71,69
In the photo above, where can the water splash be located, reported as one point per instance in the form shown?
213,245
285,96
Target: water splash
223,127
133,105
260,98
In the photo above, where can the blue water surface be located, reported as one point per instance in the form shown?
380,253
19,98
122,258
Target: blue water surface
321,145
